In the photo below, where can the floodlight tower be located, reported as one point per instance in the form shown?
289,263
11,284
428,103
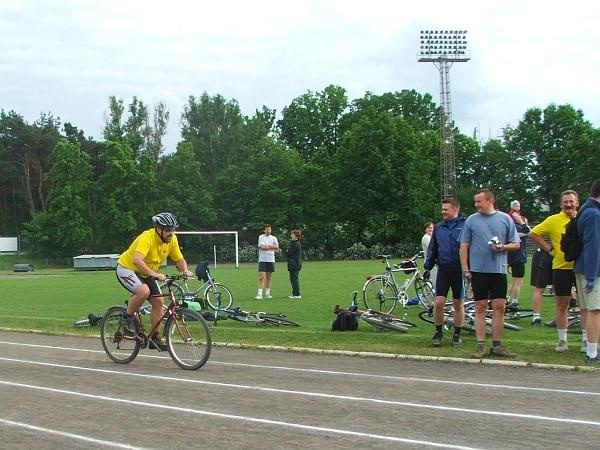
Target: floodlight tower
443,48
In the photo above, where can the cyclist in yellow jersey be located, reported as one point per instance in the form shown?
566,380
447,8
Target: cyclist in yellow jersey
563,277
138,270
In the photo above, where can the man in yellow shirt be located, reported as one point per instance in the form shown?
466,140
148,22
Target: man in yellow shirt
563,277
138,270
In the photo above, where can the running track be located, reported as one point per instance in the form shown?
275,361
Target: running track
63,392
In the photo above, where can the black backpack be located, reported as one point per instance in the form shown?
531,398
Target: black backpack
346,319
571,243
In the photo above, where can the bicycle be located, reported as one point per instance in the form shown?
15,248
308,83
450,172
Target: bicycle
214,294
383,293
258,318
187,335
378,319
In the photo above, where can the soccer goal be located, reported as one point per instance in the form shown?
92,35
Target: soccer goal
235,237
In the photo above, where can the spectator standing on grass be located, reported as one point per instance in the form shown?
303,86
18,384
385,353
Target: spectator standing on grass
541,276
587,270
443,251
486,238
267,245
425,241
293,253
563,277
517,260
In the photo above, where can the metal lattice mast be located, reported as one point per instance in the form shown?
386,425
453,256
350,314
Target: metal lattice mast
443,48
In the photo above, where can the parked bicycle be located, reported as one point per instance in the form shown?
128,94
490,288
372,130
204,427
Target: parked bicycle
186,333
215,295
383,292
257,318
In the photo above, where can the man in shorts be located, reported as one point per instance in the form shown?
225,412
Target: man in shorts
267,245
443,251
486,238
137,271
587,270
563,277
541,277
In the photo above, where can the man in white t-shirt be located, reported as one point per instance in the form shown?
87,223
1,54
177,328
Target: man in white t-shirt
267,245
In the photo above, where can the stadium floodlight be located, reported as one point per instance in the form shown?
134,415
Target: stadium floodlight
443,48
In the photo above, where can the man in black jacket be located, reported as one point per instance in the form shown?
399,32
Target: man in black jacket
443,250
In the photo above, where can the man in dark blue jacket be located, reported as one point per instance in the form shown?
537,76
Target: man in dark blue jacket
587,269
443,251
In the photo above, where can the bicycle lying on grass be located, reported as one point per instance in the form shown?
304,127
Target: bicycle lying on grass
187,336
378,319
383,292
258,318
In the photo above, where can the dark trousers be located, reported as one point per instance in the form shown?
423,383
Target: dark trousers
295,282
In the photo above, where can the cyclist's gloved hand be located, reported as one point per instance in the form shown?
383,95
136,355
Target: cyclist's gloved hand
188,274
426,275
589,287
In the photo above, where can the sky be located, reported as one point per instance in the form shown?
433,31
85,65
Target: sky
68,57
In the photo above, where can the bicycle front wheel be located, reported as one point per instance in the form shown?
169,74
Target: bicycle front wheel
218,296
424,293
188,339
119,347
380,294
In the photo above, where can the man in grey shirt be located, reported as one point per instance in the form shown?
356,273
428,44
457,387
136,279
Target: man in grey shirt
487,236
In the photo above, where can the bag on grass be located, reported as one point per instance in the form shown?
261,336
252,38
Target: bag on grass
345,319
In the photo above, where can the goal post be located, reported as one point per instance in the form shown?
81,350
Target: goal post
235,236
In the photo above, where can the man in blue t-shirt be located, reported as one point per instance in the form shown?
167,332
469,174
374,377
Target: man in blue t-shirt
486,238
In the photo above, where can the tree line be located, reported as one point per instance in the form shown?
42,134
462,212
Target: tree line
356,175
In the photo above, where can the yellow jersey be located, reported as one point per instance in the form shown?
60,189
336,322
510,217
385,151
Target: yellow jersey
154,250
553,227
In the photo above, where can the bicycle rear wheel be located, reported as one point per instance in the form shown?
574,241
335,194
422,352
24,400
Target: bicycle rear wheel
218,296
380,294
120,348
273,319
188,339
385,324
424,293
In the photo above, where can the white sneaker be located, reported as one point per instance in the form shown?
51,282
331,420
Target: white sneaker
295,296
561,347
259,297
268,296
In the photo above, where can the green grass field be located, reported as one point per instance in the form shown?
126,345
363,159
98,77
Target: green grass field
51,300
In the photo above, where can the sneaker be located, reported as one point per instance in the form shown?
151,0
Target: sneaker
259,297
129,325
500,350
436,340
562,347
268,296
480,351
296,297
583,348
537,322
595,360
156,343
512,307
456,340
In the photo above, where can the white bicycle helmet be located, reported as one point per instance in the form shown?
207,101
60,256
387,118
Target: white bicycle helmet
165,220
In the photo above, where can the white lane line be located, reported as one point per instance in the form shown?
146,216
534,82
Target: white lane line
312,394
236,417
66,434
340,373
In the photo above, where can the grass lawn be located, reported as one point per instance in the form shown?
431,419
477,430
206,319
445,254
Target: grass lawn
52,299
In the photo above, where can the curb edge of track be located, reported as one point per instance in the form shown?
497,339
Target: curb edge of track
359,354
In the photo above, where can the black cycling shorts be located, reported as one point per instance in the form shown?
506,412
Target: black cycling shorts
517,270
449,277
563,281
488,286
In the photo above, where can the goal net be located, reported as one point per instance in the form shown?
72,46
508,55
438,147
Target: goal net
227,242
